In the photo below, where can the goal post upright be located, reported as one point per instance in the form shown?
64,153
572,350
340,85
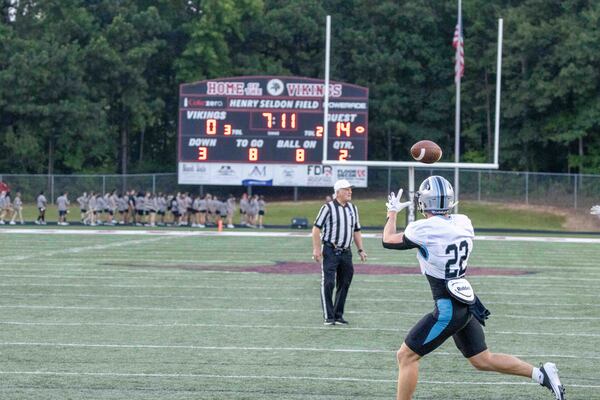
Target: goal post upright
411,165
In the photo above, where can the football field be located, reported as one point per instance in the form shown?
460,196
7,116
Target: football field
167,315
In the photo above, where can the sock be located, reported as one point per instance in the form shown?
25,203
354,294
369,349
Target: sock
537,375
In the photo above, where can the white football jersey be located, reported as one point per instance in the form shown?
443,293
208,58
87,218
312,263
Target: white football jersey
445,244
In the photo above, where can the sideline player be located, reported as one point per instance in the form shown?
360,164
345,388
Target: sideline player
444,242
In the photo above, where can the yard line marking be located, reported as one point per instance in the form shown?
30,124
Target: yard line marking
187,278
273,377
247,348
144,232
278,287
75,250
290,327
308,298
259,310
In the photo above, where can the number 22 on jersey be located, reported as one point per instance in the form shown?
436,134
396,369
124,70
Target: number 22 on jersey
457,264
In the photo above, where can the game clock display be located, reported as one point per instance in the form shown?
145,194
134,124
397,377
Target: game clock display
270,119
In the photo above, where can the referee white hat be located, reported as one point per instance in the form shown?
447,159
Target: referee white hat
341,184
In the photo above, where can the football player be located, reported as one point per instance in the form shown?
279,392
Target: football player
444,242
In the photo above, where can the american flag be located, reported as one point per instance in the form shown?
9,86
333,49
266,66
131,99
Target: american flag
457,43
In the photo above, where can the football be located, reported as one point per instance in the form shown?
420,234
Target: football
426,151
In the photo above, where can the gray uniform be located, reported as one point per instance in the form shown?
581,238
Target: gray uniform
41,202
162,204
122,204
243,205
230,205
62,202
83,203
92,204
100,204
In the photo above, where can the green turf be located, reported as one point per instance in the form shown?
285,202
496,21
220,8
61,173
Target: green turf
118,317
372,213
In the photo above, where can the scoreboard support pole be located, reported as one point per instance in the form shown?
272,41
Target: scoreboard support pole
326,84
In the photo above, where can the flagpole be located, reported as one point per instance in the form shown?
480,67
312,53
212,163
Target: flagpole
457,121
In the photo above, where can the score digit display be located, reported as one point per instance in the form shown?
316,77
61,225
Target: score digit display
269,120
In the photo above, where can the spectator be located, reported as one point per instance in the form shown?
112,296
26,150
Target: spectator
202,212
262,204
41,203
91,213
216,206
112,206
62,202
191,214
151,206
123,208
182,207
252,211
101,205
174,205
243,209
83,205
328,199
230,207
132,212
17,209
161,202
140,208
3,206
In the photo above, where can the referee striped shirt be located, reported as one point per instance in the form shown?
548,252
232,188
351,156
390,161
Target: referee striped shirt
338,223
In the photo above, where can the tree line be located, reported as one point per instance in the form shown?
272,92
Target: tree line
92,85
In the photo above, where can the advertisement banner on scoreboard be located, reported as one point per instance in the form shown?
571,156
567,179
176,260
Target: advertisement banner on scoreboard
236,174
257,175
194,174
290,175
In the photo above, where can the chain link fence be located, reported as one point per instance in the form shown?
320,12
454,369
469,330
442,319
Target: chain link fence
578,191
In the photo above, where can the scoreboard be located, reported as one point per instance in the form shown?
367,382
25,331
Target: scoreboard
268,130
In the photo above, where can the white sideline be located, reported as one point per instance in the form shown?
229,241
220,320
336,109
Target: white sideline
263,310
272,377
269,327
180,233
360,289
361,300
275,377
256,348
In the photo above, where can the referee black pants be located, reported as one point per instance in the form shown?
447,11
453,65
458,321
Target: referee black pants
337,271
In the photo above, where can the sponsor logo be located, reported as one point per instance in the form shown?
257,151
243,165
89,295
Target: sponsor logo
187,167
193,102
226,170
288,173
275,87
258,171
201,169
351,173
319,170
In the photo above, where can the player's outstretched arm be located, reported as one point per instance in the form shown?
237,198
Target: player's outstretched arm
394,206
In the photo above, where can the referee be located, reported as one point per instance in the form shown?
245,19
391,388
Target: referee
336,226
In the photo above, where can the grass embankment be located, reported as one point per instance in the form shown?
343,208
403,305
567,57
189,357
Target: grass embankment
372,213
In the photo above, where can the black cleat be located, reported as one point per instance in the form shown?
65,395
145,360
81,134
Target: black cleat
341,321
552,381
329,322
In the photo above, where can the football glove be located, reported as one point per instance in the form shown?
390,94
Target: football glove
595,210
394,204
